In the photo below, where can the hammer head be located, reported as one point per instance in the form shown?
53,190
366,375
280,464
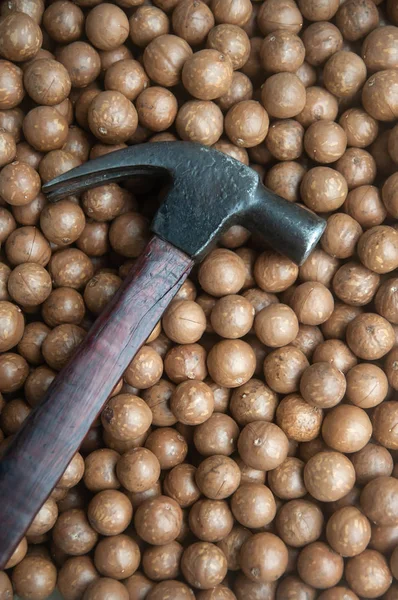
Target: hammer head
208,193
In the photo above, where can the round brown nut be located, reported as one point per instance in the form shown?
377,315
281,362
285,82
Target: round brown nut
8,148
20,37
384,418
218,477
11,81
276,325
192,402
371,462
232,316
357,18
156,108
70,268
157,398
370,336
253,505
285,178
253,401
168,445
336,325
312,302
127,77
109,512
164,58
103,203
320,105
34,576
13,372
47,81
368,574
105,587
64,305
231,363
112,117
62,223
367,385
75,575
147,23
323,189
263,445
210,520
73,534
283,95
321,40
341,235
346,428
81,61
138,470
192,21
344,74
354,284
323,385
274,273
63,21
361,129
283,369
379,95
282,51
199,121
378,50
203,565
384,511
100,470
107,26
264,557
128,234
18,554
158,520
246,124
286,481
378,249
27,244
319,566
180,485
232,41
297,419
30,345
217,435
222,273
207,74
160,562
335,352
184,322
145,369
45,519
329,476
100,290
55,163
325,141
117,556
126,416
19,183
274,16
45,128
285,139
357,166
29,284
240,89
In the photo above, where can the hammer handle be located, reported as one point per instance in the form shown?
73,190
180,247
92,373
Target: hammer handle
40,452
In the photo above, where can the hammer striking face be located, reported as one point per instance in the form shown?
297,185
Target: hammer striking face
208,193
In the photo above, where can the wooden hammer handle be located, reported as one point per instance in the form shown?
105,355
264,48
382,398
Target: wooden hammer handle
54,430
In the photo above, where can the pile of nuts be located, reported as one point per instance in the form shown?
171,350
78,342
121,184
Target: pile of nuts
249,451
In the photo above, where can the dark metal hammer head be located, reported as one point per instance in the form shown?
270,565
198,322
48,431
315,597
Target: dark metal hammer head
209,193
